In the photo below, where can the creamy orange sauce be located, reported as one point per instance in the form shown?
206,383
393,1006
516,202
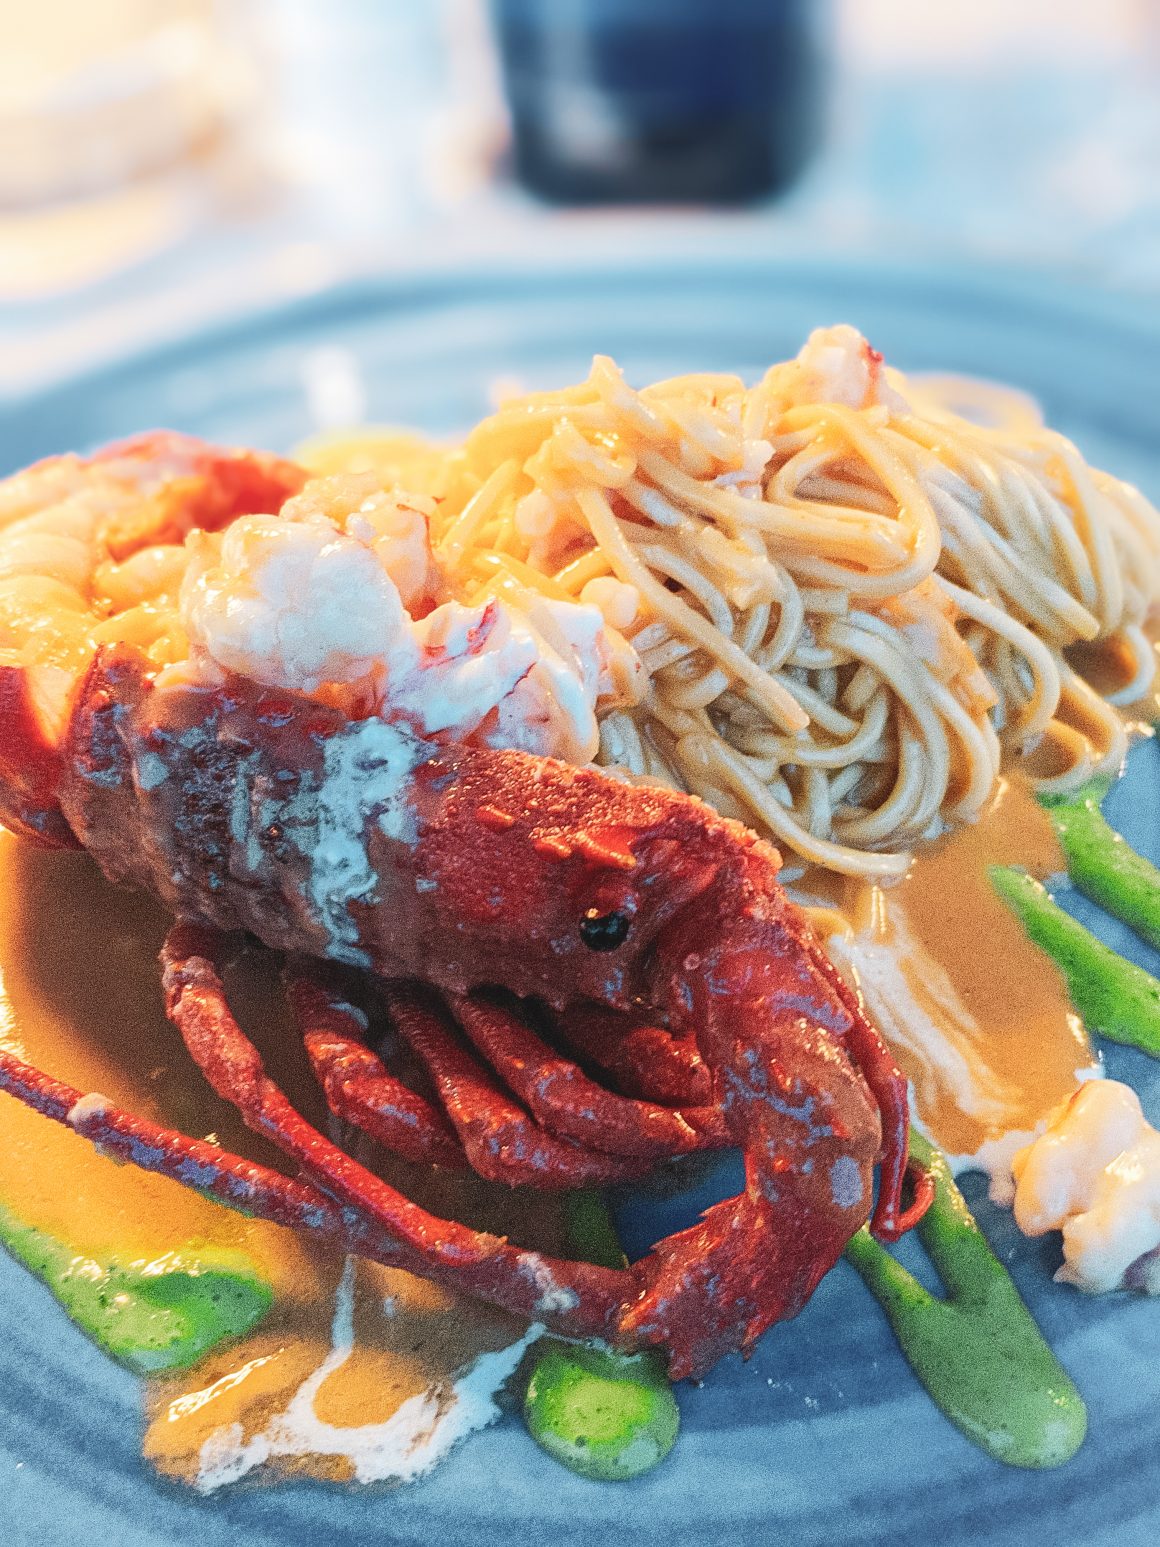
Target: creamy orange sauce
1003,1044
80,998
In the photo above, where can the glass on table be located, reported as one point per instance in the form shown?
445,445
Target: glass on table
660,100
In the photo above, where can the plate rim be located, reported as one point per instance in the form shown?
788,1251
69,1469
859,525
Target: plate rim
433,276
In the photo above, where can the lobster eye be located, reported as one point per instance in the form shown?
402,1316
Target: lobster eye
604,931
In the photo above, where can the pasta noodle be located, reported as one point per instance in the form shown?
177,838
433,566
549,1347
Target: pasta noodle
851,602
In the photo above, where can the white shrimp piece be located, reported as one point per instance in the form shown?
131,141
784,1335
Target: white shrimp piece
553,707
623,678
469,660
293,604
837,365
395,526
535,515
1095,1175
527,679
747,479
549,526
618,602
316,597
392,522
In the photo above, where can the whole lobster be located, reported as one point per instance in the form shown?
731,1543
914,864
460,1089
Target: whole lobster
526,924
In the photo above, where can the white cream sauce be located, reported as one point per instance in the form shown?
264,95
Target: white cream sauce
417,1435
366,772
978,1017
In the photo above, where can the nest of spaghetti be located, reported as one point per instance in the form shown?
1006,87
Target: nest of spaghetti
851,601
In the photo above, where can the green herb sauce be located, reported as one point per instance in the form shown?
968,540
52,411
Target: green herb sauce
150,1316
978,1352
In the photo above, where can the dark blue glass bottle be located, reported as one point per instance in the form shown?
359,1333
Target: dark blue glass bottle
660,100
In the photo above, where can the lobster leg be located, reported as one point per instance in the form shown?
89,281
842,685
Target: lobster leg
573,1299
644,1059
750,1260
230,1179
502,1142
732,973
566,1102
358,1087
576,1298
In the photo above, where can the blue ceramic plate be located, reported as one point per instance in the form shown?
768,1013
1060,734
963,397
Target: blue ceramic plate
825,1435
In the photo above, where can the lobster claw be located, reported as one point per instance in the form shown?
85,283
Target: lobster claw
737,972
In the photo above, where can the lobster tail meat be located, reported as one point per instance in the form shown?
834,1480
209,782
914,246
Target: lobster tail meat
80,538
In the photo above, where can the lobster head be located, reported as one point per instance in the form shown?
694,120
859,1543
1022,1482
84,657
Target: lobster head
561,882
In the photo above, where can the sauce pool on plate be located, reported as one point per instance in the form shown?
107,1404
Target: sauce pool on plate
978,1017
262,1349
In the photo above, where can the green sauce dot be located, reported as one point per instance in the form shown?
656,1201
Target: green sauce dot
151,1316
605,1415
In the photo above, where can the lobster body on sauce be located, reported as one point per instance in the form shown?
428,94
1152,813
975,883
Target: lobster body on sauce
449,872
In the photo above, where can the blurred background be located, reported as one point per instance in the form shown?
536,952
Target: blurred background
167,163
